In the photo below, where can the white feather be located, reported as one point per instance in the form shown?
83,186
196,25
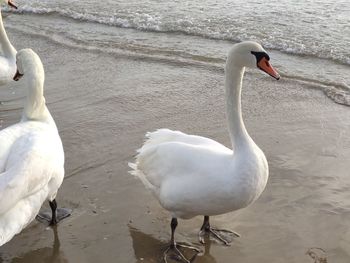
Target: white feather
7,55
31,156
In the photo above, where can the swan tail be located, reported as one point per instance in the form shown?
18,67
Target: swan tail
143,167
160,136
141,176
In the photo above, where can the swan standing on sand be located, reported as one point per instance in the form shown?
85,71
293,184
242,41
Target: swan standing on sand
31,157
7,52
192,175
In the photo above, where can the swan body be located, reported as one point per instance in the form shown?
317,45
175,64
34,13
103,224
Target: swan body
7,52
31,155
193,175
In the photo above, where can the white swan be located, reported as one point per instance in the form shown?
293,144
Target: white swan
31,156
192,175
7,53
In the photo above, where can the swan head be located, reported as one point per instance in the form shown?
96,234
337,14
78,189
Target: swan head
28,62
9,2
251,55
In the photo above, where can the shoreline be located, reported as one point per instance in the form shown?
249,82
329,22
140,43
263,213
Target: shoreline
121,24
178,49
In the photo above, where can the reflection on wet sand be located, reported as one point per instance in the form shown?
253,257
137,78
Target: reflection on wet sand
45,254
148,249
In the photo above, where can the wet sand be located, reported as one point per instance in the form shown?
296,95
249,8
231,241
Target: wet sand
104,104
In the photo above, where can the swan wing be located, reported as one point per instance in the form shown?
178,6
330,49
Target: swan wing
166,135
180,161
34,166
149,152
7,138
33,160
20,215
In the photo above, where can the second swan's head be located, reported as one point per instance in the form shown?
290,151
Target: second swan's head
28,63
9,2
251,55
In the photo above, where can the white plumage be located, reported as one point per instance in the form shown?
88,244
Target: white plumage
31,155
193,175
7,52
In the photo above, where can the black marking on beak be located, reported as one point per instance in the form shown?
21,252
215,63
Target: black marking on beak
260,55
17,76
262,62
11,4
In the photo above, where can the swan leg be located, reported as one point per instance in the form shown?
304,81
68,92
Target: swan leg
174,247
207,229
57,214
53,206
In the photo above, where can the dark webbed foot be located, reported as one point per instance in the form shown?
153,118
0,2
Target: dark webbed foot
56,215
173,247
173,250
207,229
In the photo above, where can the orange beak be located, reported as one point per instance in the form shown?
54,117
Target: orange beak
264,65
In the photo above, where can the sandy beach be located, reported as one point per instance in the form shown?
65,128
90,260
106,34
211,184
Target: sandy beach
103,104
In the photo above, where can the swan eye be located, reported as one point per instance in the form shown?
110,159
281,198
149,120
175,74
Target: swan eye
260,55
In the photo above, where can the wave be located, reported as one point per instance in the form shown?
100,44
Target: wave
146,22
338,92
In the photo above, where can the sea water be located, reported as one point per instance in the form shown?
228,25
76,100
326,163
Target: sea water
307,40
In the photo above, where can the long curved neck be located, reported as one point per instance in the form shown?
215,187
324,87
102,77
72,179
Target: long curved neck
35,107
6,46
233,85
